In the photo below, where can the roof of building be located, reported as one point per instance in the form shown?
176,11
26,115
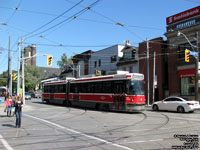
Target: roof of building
47,72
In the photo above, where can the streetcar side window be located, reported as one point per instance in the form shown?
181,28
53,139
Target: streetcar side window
98,87
107,87
90,87
120,87
52,89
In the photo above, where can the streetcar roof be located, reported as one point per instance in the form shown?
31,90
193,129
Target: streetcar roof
55,82
128,76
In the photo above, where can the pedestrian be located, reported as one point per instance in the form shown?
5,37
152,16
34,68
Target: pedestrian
9,105
13,105
18,111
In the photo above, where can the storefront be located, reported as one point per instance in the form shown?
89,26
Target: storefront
187,82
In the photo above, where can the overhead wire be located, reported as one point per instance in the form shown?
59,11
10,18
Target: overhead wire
66,11
71,17
15,10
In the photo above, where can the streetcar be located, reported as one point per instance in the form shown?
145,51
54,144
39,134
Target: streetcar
56,92
119,92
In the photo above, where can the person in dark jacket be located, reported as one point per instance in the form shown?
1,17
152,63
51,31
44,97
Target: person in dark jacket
18,111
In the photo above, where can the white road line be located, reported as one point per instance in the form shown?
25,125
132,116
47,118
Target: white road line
80,133
131,142
5,143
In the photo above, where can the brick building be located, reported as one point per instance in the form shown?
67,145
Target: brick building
157,45
28,52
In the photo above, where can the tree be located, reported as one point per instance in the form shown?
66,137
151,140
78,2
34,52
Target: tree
4,78
64,62
32,77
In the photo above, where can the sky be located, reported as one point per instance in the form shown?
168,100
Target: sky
75,26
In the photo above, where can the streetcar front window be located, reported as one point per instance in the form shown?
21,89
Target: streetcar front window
136,87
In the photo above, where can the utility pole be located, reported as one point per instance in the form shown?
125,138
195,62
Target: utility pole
9,68
18,69
154,74
23,86
147,71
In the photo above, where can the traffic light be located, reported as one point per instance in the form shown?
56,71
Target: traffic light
14,76
49,60
187,55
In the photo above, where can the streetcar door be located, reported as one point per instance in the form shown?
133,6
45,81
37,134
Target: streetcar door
52,87
119,95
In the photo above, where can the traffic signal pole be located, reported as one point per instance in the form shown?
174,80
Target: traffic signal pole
197,63
197,72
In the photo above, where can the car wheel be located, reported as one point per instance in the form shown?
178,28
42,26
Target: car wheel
155,107
180,109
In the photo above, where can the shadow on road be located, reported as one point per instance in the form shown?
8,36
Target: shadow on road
8,125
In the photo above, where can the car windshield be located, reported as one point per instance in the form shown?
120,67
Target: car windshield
136,87
27,94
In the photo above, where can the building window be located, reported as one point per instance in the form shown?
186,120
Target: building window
99,62
187,86
130,69
95,64
113,59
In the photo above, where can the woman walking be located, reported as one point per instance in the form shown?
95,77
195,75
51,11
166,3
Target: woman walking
18,111
9,105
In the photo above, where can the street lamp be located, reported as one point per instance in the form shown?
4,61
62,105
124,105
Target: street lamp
23,85
197,63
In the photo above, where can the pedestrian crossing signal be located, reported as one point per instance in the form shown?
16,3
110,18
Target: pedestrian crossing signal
49,60
187,55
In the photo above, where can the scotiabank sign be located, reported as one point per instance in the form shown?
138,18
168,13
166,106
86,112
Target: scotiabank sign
183,15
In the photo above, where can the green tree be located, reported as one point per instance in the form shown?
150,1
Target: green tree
64,61
32,77
4,78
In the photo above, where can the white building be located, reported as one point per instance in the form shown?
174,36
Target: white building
129,61
105,60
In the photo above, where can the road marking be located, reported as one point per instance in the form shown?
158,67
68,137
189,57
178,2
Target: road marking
156,140
5,143
80,133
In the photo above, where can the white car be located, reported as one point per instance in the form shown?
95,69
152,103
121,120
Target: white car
175,103
27,96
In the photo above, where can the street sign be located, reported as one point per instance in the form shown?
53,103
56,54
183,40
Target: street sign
194,53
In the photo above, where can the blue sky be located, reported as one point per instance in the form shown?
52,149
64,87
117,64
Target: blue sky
94,29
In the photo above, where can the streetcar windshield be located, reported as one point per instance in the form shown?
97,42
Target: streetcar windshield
136,87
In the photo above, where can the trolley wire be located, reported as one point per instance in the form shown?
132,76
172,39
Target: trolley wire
66,11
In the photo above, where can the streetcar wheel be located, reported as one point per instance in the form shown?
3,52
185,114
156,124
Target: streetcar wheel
155,107
180,109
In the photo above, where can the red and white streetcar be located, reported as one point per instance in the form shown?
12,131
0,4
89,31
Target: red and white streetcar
119,92
56,92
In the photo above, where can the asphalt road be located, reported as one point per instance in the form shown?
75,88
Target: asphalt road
55,127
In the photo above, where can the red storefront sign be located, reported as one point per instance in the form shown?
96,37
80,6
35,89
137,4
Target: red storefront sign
186,73
183,15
